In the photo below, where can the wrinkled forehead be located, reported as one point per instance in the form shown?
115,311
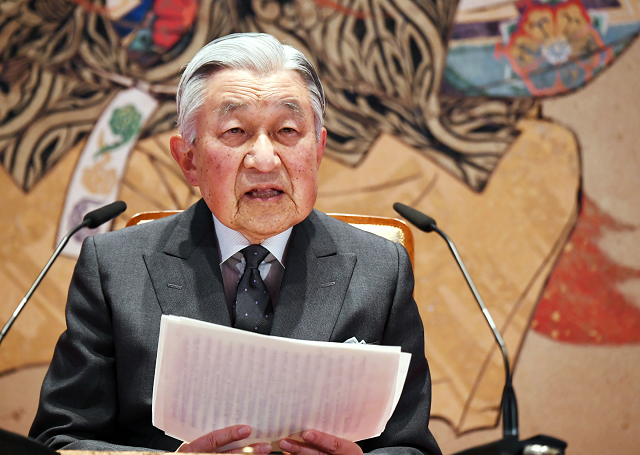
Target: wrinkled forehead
230,90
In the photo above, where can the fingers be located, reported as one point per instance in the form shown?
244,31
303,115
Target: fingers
291,447
257,448
318,443
212,441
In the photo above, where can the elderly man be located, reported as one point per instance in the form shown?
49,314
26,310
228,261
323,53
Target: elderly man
251,138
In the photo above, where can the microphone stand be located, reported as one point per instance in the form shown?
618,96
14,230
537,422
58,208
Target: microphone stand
509,444
91,220
44,271
509,403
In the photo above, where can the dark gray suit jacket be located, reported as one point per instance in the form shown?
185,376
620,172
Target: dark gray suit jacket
97,392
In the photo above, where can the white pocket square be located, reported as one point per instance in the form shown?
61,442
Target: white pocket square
354,340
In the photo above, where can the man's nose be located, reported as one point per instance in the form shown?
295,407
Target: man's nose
262,155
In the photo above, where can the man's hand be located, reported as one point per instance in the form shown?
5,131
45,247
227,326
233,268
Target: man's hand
318,443
211,442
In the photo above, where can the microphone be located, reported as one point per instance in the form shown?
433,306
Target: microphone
100,216
91,220
418,219
510,429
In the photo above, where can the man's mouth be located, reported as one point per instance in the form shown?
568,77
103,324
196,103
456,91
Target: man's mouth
264,193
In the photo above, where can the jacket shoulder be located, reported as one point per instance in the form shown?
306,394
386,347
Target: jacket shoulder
348,237
190,226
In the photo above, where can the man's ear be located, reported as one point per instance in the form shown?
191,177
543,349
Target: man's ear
320,146
184,156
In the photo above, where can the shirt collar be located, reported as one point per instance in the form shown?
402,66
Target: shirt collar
231,242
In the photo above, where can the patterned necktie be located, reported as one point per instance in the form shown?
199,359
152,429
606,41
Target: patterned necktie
253,309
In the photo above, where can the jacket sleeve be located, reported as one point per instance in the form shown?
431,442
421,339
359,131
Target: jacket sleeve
407,432
79,398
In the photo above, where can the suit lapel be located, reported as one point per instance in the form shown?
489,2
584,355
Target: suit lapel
186,275
314,283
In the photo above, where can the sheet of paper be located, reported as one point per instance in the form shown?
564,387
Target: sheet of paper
209,377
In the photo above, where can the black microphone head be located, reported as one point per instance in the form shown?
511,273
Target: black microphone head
418,219
100,216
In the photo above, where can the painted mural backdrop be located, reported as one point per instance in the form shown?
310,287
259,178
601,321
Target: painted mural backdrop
87,105
531,48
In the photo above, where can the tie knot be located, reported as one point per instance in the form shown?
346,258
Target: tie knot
254,255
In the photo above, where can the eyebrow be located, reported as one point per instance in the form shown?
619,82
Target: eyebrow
231,106
293,106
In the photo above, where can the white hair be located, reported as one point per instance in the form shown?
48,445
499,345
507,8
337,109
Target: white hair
258,52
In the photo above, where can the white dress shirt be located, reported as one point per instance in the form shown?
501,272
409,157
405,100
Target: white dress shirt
232,263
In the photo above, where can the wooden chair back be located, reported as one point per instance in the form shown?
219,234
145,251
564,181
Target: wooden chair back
390,228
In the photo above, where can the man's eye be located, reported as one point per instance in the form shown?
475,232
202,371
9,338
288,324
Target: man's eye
235,131
287,130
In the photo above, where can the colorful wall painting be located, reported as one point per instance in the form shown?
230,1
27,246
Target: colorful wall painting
537,48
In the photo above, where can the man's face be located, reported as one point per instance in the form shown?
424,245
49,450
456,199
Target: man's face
256,156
